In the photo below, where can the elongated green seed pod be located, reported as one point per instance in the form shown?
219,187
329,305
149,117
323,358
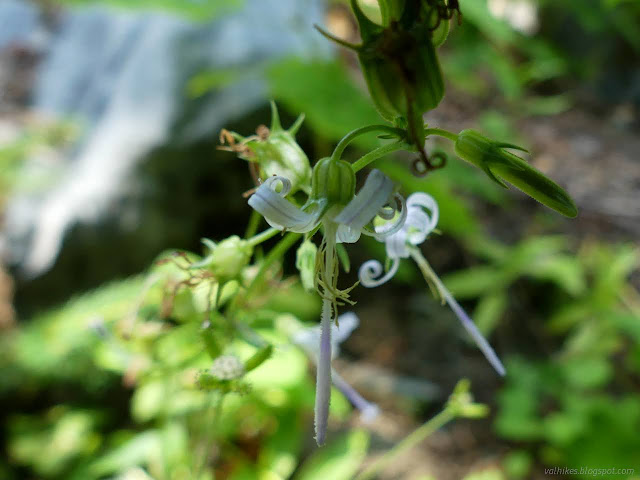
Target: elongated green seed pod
501,165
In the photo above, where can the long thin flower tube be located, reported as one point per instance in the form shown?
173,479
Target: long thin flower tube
308,340
403,244
323,376
466,321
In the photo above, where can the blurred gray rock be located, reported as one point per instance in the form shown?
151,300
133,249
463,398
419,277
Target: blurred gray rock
123,76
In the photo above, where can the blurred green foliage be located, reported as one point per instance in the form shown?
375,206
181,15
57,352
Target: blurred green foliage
572,394
198,10
33,139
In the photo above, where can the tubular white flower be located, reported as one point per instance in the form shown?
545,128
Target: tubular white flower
412,227
466,321
368,411
279,212
364,207
323,375
471,328
414,231
308,339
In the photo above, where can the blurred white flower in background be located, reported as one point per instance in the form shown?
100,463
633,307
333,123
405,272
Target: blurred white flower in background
522,15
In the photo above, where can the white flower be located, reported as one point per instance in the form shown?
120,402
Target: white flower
309,338
351,219
402,244
344,217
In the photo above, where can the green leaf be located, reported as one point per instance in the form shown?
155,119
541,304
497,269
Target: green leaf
583,372
563,270
136,451
339,460
475,281
489,310
315,88
147,400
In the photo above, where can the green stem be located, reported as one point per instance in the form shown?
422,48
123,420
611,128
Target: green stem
349,137
408,442
254,223
435,285
376,154
262,237
441,133
211,430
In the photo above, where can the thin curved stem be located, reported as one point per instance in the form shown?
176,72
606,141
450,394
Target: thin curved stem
349,137
254,223
408,442
262,236
441,133
375,155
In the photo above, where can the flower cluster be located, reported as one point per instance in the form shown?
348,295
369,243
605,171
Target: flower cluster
399,61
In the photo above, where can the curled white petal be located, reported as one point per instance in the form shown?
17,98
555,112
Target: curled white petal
279,212
387,212
371,269
384,231
273,181
396,245
420,224
366,204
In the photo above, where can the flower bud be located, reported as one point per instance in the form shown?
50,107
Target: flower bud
400,64
501,165
333,180
279,154
306,264
274,150
229,257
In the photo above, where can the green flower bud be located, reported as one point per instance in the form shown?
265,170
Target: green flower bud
501,165
279,154
274,150
334,181
461,402
399,63
229,257
306,264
